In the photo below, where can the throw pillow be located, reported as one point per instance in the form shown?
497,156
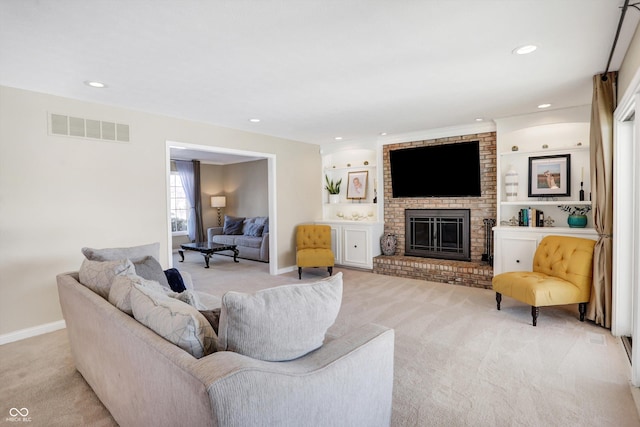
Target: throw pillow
175,280
120,292
253,230
133,253
281,323
232,225
199,300
213,317
173,320
149,268
98,275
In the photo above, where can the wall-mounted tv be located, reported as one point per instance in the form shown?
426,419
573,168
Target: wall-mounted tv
447,170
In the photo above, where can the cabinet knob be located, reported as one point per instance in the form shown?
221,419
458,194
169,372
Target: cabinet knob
355,246
518,261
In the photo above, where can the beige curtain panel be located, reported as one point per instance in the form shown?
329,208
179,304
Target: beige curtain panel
601,148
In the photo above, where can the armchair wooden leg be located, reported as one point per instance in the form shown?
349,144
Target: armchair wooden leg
498,299
582,308
534,313
330,270
300,273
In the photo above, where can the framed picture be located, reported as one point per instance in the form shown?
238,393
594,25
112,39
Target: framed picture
550,175
357,185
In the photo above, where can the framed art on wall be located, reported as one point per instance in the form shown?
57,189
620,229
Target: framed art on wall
357,185
550,175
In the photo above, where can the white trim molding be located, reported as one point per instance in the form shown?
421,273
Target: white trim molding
32,332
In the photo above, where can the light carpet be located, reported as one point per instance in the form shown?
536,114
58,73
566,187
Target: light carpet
458,361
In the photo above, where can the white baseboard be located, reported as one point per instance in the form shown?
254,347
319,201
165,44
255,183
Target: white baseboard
32,332
287,269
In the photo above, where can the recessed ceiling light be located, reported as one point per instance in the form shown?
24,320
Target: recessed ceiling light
383,134
523,50
254,120
479,119
338,138
544,105
95,84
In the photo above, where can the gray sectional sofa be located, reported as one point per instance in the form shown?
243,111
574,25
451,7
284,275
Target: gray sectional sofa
251,236
267,370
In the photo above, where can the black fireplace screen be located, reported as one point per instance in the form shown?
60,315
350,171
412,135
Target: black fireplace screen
438,233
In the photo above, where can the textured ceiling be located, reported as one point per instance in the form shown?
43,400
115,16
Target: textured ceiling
314,70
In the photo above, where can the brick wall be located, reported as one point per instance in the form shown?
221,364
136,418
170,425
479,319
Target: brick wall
480,207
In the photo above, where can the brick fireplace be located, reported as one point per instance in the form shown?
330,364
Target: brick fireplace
475,272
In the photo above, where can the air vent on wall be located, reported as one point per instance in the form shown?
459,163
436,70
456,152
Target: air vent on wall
87,128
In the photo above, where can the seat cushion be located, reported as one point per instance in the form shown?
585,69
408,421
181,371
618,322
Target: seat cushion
315,257
224,239
538,289
249,241
281,323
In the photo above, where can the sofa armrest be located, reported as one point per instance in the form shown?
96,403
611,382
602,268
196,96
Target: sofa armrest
349,381
264,247
213,231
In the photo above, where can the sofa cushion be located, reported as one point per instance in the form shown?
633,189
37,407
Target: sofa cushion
98,275
232,225
224,239
133,253
249,242
173,320
281,323
149,268
120,292
254,230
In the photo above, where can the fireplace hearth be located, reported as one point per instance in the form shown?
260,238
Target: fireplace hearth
438,233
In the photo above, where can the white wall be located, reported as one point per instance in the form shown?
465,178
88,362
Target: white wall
58,194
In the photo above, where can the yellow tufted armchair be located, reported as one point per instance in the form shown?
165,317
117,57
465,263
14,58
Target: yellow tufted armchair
313,247
562,271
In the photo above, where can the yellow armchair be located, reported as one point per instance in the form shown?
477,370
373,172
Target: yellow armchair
562,274
313,247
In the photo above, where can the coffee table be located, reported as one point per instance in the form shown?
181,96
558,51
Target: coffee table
207,249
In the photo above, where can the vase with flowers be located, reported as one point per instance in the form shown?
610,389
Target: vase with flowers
577,215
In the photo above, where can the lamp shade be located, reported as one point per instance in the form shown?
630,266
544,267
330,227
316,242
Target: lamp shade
218,201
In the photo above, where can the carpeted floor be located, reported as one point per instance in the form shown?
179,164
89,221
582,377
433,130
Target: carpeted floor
458,361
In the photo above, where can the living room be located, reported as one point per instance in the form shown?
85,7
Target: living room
61,193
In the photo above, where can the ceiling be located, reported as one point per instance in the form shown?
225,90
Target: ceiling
317,69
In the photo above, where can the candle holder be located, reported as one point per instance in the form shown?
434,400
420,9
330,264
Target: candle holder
581,191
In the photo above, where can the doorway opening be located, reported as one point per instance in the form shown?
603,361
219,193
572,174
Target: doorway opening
225,156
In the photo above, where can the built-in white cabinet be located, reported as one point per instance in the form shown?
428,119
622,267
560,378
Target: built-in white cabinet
355,225
355,244
515,246
521,141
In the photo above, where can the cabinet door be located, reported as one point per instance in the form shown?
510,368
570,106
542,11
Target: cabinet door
356,247
515,253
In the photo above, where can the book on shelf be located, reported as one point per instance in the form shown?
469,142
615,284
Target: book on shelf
530,217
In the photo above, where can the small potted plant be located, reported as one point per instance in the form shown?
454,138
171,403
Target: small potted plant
333,188
577,215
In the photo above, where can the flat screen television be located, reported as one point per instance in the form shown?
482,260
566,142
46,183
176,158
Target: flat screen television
447,170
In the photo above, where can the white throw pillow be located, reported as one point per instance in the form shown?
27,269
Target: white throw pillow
281,323
199,300
99,275
173,320
120,292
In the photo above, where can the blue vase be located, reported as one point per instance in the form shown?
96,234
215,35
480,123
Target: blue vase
577,221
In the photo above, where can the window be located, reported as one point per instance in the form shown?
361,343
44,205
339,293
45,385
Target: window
179,205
